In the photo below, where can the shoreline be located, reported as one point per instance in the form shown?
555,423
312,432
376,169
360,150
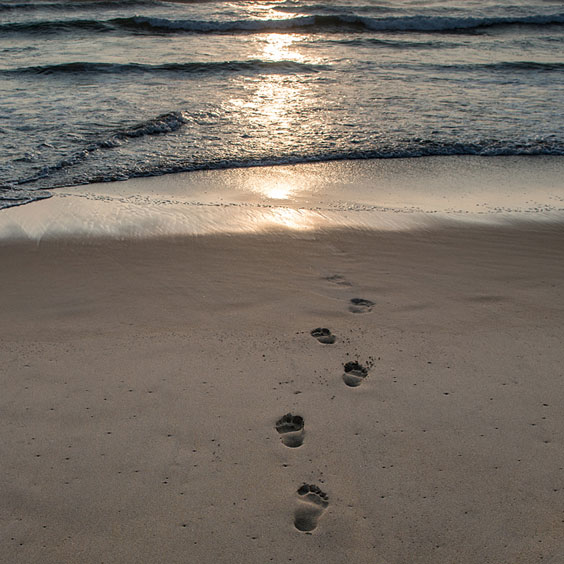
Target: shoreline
378,194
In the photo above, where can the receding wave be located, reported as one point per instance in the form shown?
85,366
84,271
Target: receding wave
249,66
165,123
310,24
408,148
10,197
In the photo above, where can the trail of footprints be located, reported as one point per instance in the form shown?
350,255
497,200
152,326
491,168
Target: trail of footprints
312,501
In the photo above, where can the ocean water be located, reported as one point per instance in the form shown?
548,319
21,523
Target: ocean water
102,90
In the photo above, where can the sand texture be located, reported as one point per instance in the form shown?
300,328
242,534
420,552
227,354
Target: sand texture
165,400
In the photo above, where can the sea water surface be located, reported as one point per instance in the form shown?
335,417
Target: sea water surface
102,90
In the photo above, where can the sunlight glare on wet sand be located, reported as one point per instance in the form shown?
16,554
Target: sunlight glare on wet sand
292,219
276,190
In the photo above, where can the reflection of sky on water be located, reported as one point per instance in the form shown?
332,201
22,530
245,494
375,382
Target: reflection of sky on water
276,104
273,108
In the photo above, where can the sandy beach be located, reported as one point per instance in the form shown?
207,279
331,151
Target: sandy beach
281,282
143,379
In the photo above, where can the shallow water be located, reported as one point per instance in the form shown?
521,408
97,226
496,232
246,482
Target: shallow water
106,90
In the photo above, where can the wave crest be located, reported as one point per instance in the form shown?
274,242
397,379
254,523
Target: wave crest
249,66
165,123
335,23
311,24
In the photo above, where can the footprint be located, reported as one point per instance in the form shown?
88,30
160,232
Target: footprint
323,335
291,427
360,305
354,374
338,279
312,504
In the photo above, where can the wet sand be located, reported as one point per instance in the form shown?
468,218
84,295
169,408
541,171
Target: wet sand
383,195
145,384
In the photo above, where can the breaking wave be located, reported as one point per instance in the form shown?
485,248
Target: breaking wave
166,123
311,24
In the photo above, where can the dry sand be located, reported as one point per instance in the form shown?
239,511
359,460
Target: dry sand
142,381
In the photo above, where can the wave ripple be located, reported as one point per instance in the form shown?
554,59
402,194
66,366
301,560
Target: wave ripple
311,24
250,66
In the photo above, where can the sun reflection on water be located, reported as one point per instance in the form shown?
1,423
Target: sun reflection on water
279,47
273,113
274,104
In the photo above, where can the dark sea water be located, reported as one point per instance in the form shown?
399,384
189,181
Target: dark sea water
101,90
